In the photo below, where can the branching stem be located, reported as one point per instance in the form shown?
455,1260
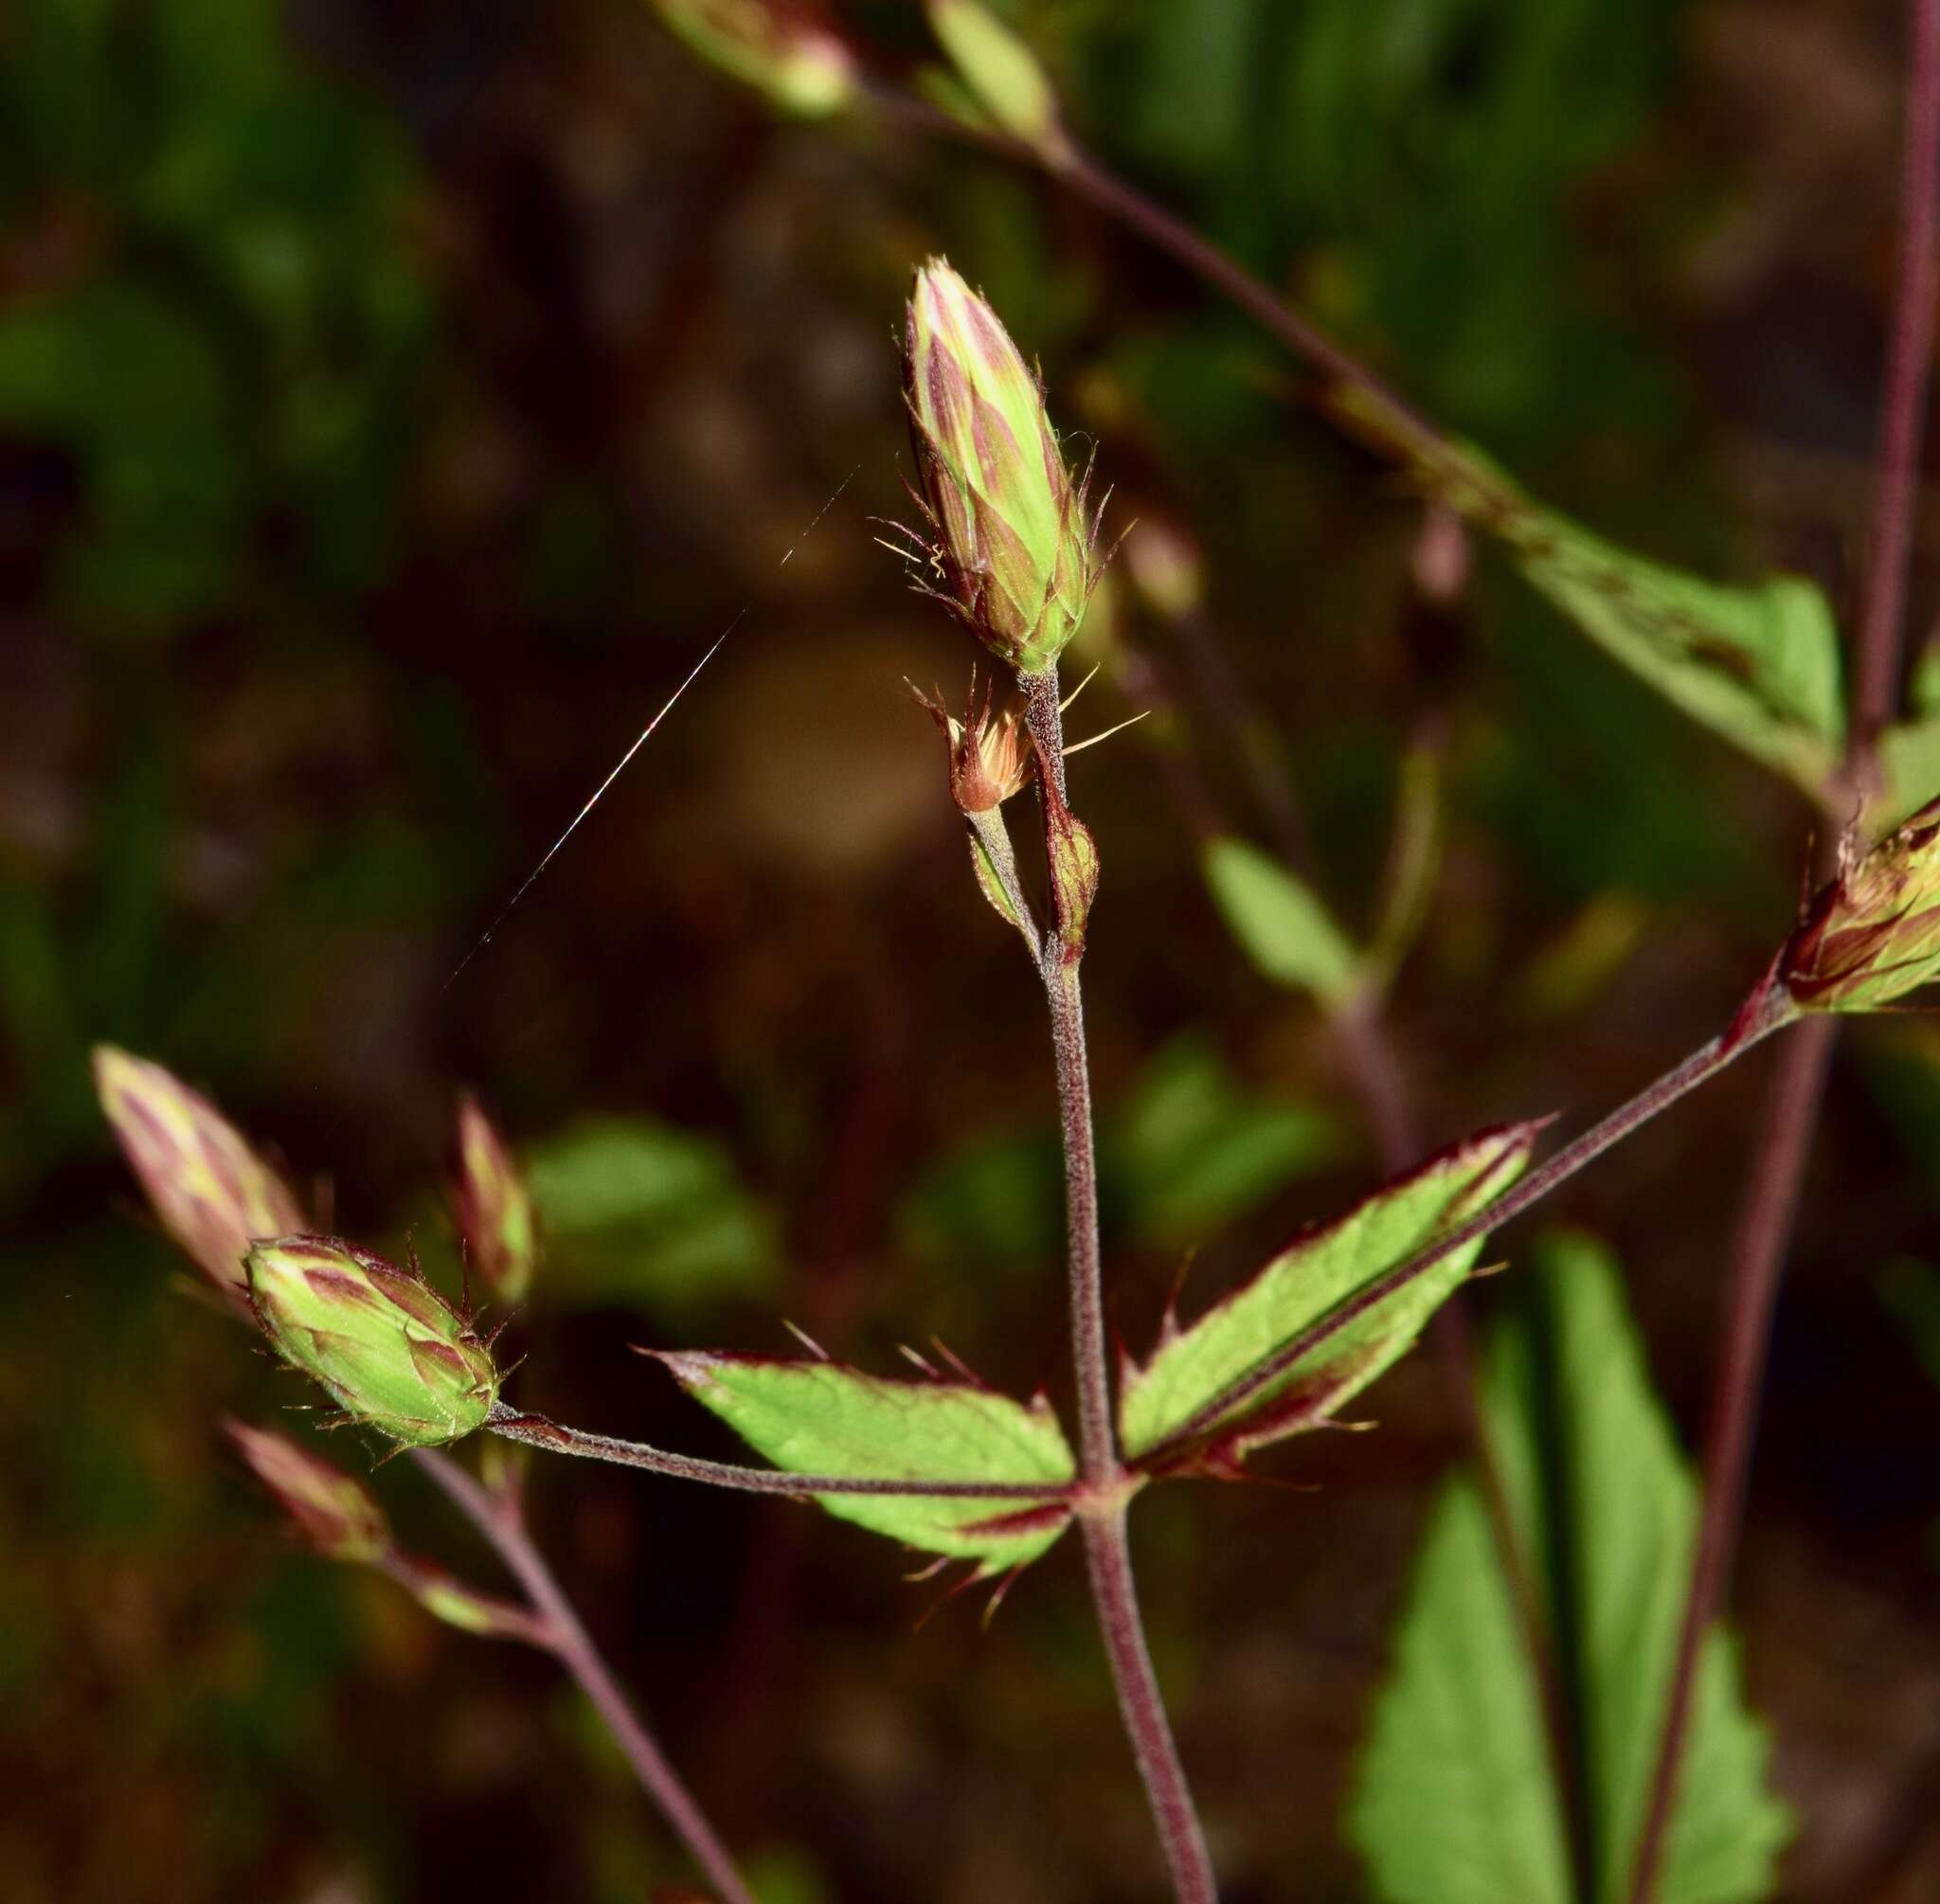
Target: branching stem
499,1519
1704,1063
1108,1554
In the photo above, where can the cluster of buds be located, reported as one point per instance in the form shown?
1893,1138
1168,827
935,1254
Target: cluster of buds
214,1195
1012,546
386,1347
1873,934
784,48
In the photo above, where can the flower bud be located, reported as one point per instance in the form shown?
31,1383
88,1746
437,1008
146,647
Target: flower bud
780,47
334,1514
493,1208
385,1346
990,754
213,1194
1873,933
1013,546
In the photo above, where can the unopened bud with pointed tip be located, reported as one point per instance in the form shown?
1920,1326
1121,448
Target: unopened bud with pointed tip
784,48
390,1351
334,1515
213,1194
1873,934
1013,548
493,1208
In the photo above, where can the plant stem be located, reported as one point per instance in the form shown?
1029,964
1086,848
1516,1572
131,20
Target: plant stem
499,1519
1092,180
1772,1200
1771,1192
1903,400
1101,1516
1108,1563
1704,1063
540,1433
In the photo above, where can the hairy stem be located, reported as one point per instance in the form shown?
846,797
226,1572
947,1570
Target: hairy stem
1097,1444
1704,1063
1771,1192
540,1433
499,1519
1109,1562
1108,1554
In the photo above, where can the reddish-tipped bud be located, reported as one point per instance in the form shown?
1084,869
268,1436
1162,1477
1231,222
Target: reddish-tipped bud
1873,934
213,1194
334,1514
990,754
493,1208
781,47
385,1345
1013,546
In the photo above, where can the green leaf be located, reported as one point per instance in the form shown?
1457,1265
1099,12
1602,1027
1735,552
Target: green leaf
822,1418
640,1212
1000,71
1279,923
1191,1151
1319,1274
1760,664
1604,1510
1454,1800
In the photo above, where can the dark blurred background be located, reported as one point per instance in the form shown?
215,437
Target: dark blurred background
394,401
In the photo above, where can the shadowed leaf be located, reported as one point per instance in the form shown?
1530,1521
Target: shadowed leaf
1456,1802
1759,664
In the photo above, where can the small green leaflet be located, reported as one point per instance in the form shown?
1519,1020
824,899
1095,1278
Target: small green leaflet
1456,1799
1280,926
1319,1274
822,1418
1760,665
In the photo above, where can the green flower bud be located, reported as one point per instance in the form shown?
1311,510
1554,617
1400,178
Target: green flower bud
334,1514
493,1208
388,1348
213,1194
1873,933
1013,546
778,47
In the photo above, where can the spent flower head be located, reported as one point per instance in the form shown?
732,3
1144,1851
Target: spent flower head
1014,550
1873,933
493,1208
334,1515
387,1346
989,754
784,48
213,1194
